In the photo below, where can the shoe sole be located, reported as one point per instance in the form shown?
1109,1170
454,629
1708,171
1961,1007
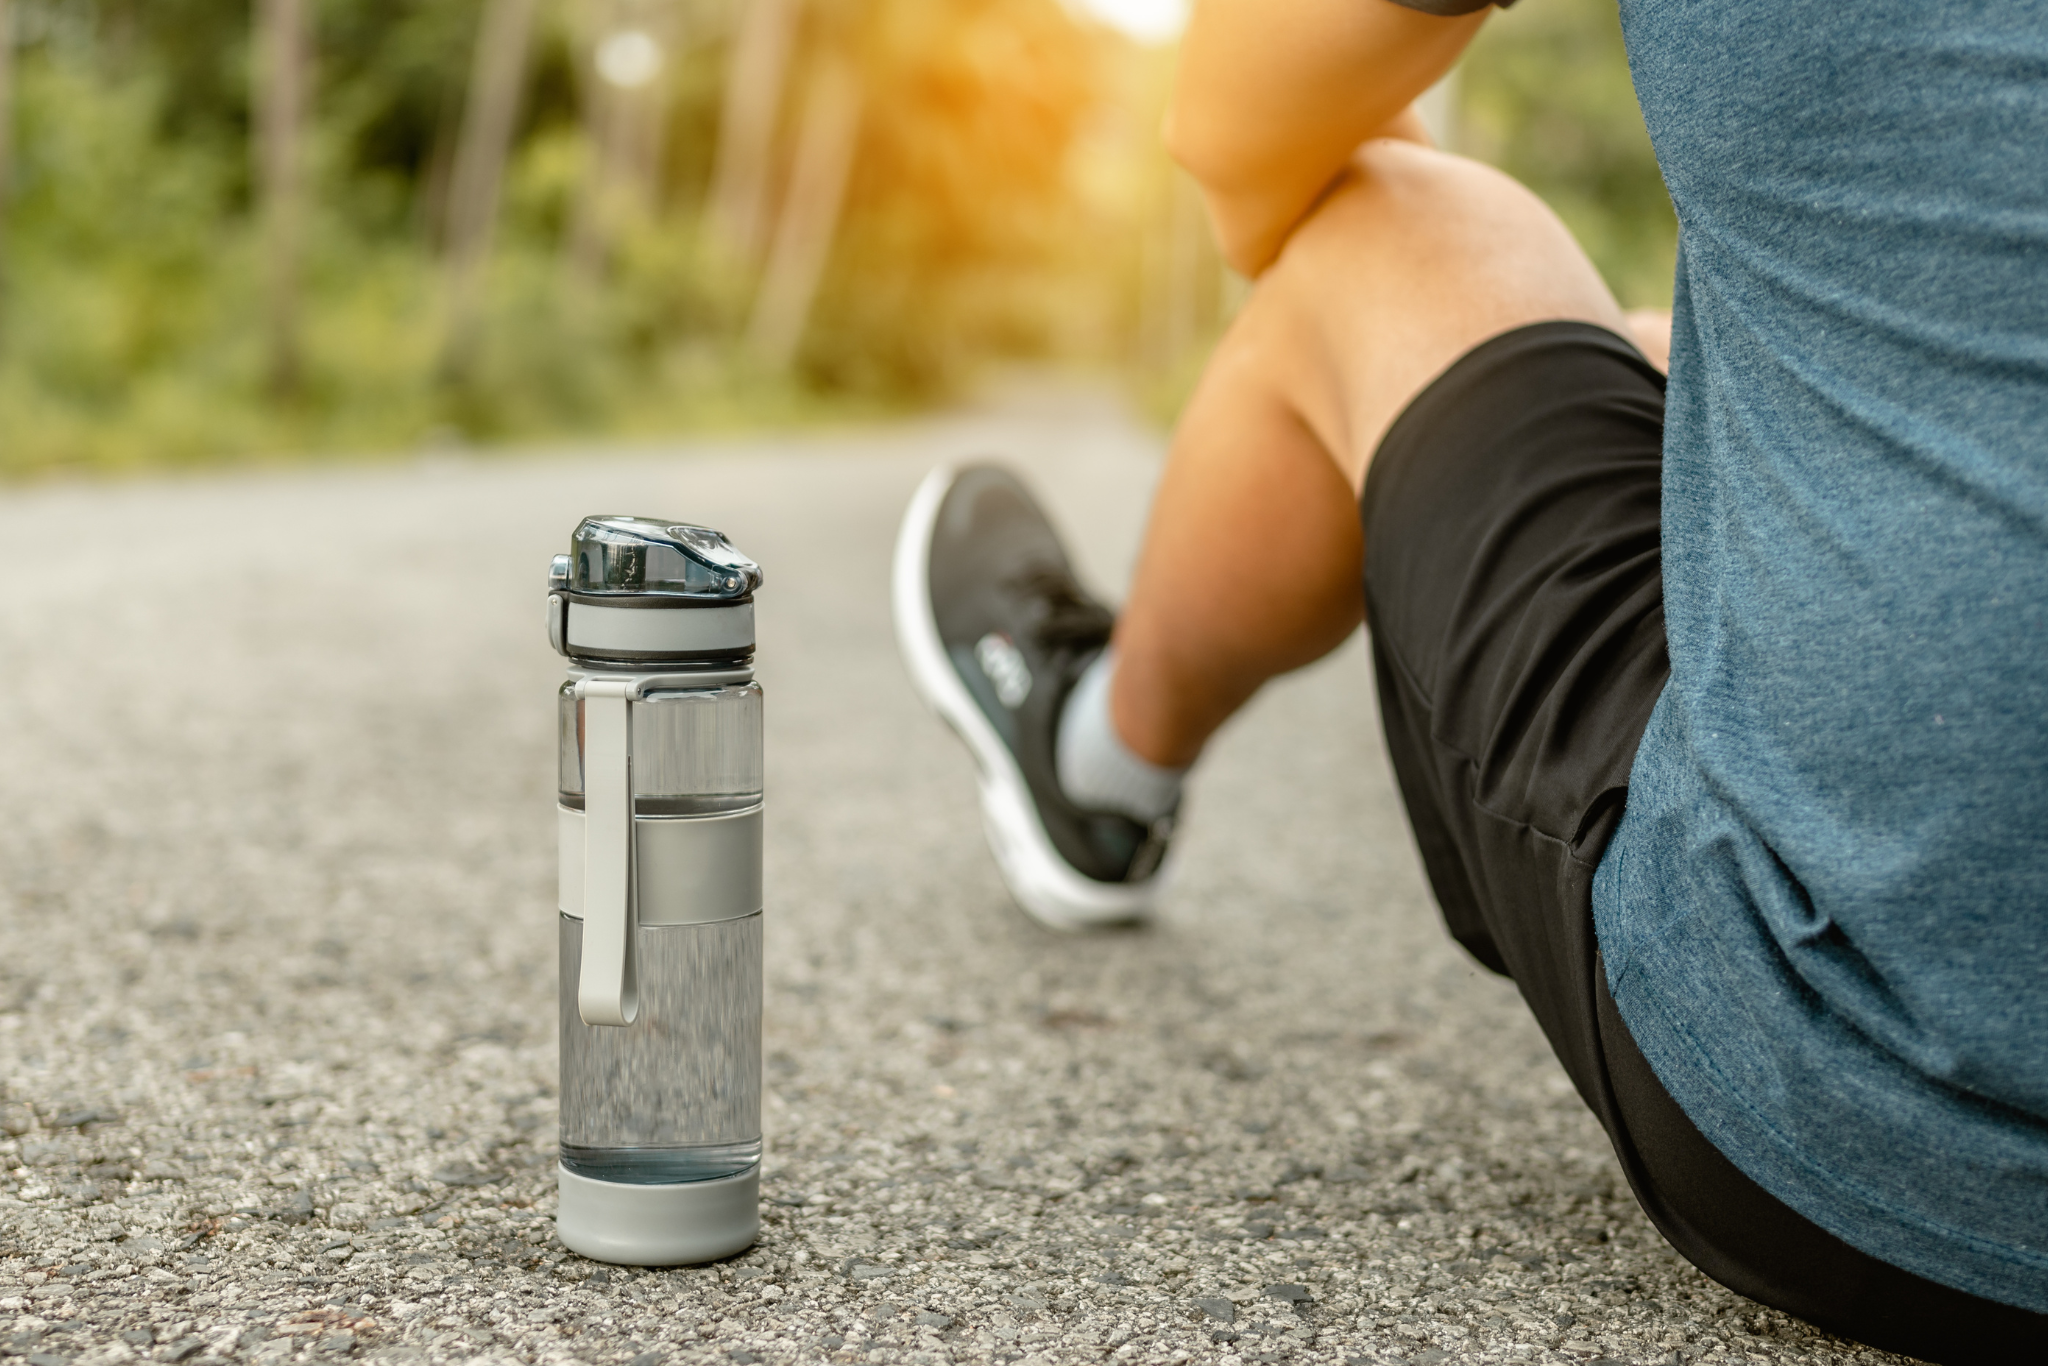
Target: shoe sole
1043,883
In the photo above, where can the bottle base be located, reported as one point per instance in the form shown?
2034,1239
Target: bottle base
659,1225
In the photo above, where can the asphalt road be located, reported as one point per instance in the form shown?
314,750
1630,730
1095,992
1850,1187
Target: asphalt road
277,991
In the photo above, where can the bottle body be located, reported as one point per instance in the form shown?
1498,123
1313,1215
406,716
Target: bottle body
659,813
674,1096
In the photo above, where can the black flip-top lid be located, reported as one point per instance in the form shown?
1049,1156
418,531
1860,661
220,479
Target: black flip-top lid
643,591
638,556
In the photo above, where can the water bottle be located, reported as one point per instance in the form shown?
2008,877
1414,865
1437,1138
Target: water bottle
660,893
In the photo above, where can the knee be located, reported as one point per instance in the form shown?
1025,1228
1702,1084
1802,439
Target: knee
1407,203
1419,239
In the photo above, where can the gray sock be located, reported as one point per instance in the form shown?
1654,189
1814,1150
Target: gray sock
1096,768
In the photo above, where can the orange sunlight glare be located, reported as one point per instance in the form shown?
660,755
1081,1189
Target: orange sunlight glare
1147,21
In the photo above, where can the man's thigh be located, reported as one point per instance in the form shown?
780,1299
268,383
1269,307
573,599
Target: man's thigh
1513,587
1408,264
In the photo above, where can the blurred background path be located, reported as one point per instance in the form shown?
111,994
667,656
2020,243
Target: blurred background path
276,1002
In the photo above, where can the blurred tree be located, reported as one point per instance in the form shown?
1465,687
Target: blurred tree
396,79
1545,94
960,236
826,138
283,57
625,49
488,117
6,147
737,213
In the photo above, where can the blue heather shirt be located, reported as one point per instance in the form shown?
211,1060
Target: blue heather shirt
1825,914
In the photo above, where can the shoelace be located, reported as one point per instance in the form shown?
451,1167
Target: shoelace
1066,619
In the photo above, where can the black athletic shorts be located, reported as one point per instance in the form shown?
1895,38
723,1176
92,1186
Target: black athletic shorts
1514,595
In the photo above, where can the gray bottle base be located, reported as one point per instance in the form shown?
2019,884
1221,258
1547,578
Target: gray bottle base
678,1225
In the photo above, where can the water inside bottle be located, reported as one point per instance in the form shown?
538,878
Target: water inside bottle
662,1166
696,751
676,1095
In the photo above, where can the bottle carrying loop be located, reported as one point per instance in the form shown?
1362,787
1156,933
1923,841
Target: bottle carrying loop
607,989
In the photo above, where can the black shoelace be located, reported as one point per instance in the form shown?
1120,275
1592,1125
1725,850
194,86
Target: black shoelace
1066,620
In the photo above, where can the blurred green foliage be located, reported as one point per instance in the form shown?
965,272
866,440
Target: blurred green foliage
1008,198
1544,94
965,244
131,301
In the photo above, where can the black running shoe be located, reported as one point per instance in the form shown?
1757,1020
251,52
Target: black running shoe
996,631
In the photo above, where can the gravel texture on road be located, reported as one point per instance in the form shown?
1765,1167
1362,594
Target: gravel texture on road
277,997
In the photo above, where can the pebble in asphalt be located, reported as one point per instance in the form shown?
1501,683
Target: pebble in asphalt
276,868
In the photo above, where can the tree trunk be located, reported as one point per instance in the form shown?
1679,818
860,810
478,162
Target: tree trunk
624,125
489,116
6,147
810,213
282,58
738,210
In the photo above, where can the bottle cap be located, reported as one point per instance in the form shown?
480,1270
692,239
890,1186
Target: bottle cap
637,590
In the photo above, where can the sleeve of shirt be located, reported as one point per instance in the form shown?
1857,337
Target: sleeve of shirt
1446,8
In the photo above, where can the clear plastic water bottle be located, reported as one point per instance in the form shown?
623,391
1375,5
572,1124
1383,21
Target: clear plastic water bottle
659,808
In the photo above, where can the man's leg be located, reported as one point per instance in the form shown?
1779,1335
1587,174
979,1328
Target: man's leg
1255,560
1252,564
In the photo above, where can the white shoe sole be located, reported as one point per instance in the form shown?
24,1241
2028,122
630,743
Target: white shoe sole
1044,884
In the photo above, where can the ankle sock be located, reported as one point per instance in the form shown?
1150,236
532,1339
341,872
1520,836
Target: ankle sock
1097,770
